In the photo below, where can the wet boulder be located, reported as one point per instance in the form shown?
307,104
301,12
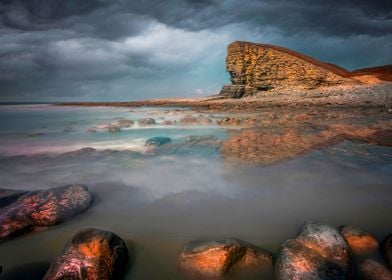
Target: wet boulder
213,259
157,141
91,254
386,248
318,252
9,196
113,128
146,121
43,208
123,123
360,241
373,270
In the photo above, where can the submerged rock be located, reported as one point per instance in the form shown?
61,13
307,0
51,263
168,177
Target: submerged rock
91,254
43,208
167,122
319,252
113,128
386,249
360,241
202,145
373,270
9,196
146,121
215,258
190,119
157,141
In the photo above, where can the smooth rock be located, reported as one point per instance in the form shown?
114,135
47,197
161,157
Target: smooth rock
386,249
146,121
216,258
188,119
319,252
157,141
92,254
373,270
43,208
124,123
360,241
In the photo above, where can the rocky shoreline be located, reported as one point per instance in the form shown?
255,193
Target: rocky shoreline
363,96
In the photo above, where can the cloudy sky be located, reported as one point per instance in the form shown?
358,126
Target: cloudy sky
103,50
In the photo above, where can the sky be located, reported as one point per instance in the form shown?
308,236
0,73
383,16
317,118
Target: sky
119,50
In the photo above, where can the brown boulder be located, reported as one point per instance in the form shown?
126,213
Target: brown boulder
146,121
92,254
123,123
373,270
360,242
43,208
319,252
9,196
215,258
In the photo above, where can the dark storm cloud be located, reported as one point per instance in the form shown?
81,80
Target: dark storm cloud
62,49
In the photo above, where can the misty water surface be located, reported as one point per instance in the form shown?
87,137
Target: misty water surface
159,202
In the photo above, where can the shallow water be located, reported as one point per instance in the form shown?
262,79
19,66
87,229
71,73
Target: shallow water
158,202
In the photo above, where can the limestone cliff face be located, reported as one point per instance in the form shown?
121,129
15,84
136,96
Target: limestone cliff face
258,67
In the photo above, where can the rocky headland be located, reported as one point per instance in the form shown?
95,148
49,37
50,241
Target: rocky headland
265,76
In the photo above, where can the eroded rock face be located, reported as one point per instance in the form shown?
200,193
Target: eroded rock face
319,252
43,208
92,254
259,67
386,248
215,258
360,241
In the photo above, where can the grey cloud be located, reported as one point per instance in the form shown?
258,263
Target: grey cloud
122,48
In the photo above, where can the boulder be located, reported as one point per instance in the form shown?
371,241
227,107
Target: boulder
146,121
386,249
373,270
188,119
43,208
157,141
123,123
91,254
360,241
216,258
318,252
9,196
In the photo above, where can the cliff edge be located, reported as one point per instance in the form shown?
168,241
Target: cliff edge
260,67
